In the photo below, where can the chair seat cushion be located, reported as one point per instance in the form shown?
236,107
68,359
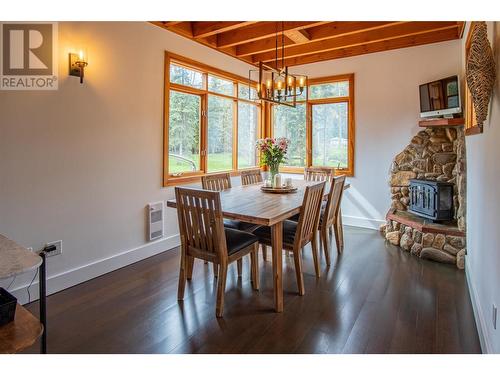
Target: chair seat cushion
289,229
296,217
236,224
237,240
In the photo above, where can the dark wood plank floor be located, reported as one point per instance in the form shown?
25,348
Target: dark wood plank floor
374,298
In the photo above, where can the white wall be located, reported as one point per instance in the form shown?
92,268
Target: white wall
80,164
386,115
483,213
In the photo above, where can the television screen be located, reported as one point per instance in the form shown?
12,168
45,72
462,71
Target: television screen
440,97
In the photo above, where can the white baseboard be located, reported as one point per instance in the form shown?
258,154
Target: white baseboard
482,330
362,222
72,277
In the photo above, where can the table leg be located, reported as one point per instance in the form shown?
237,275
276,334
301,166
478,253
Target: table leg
277,245
43,302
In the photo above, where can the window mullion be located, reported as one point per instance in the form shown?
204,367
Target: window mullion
204,132
235,134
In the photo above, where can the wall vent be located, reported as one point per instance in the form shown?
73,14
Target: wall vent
155,221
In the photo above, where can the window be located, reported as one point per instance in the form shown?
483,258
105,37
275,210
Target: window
320,127
329,90
290,123
184,132
330,135
221,86
185,76
248,129
220,134
211,121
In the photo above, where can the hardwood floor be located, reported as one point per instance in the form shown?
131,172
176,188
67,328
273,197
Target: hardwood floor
374,298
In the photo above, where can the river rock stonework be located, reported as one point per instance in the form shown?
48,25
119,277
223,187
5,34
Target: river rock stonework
433,246
436,154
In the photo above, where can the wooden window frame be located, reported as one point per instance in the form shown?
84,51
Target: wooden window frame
349,171
471,125
188,177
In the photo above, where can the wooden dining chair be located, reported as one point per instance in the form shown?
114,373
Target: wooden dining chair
318,174
203,236
251,176
216,182
220,182
296,235
329,217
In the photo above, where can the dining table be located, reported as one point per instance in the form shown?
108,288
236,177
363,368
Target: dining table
252,205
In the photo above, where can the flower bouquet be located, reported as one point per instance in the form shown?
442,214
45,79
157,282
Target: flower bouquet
273,153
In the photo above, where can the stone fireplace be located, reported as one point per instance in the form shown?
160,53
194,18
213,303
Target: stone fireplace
436,153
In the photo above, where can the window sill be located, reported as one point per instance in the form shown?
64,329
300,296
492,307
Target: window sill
190,179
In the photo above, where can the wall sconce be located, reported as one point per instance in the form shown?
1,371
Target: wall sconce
77,64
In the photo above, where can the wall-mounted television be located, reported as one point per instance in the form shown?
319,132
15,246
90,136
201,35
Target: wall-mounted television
440,98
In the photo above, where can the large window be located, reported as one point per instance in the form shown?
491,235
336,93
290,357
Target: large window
290,123
220,134
184,132
212,121
320,127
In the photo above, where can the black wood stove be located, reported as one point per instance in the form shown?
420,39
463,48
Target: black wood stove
431,199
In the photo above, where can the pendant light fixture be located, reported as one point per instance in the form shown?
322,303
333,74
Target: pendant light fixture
275,84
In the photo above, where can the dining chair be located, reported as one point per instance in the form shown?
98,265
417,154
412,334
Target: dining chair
296,235
318,174
220,182
216,182
329,217
203,236
251,176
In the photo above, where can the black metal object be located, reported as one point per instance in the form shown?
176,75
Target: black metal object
7,307
42,283
431,199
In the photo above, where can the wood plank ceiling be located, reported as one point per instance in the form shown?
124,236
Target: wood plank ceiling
308,42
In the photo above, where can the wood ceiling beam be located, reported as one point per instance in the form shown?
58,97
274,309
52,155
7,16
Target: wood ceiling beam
167,23
203,29
317,33
298,36
181,28
402,42
367,37
261,30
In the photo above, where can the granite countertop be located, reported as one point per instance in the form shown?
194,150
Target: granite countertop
15,259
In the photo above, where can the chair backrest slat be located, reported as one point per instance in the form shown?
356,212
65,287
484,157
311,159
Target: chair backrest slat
309,214
216,182
334,197
318,174
200,221
251,176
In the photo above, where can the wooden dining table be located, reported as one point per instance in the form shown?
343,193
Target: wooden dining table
250,204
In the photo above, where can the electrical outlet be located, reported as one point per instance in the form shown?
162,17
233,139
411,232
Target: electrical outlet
494,317
58,248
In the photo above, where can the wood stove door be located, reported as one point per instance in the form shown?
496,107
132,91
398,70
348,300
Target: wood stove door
423,199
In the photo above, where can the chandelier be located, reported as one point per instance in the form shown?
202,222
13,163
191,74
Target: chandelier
275,84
